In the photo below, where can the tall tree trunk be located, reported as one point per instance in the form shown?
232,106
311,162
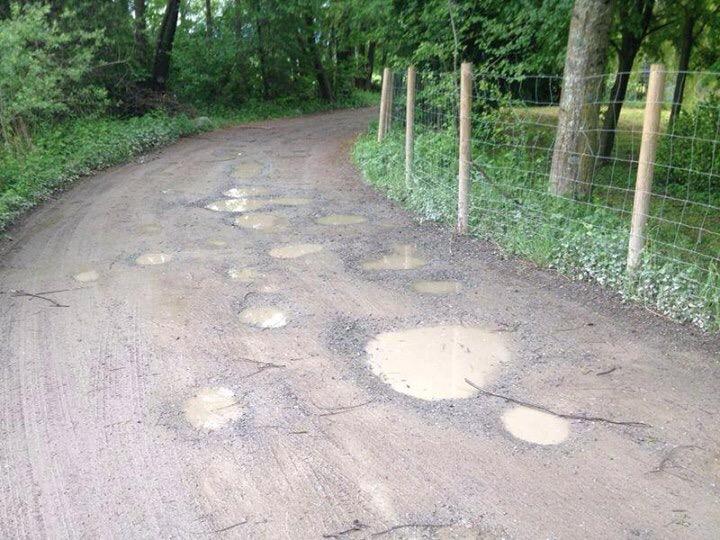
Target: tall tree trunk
630,40
576,139
262,58
166,36
686,44
325,90
370,64
208,18
140,30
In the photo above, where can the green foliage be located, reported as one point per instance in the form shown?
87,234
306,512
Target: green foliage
42,72
511,207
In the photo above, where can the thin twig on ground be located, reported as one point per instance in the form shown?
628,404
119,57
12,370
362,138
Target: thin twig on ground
330,411
411,525
569,416
229,527
18,294
356,526
607,371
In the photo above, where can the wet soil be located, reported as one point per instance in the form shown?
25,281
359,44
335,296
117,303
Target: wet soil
143,404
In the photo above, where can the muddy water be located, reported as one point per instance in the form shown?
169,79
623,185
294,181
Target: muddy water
433,363
291,201
437,287
243,275
263,317
535,426
340,219
212,408
152,259
403,257
261,222
244,192
86,277
293,251
247,169
236,205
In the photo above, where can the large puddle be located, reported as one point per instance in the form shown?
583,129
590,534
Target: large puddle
236,205
87,277
340,219
212,408
291,201
247,169
261,222
403,257
437,287
263,317
152,259
433,363
535,426
293,251
244,192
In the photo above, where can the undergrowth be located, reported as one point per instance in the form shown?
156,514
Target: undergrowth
587,242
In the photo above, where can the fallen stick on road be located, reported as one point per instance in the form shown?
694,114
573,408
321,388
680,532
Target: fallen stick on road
561,415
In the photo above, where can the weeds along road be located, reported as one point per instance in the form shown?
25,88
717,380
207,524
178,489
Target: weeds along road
179,359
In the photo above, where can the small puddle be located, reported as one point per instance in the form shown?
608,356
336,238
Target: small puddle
291,201
261,222
244,192
152,259
293,251
149,228
243,275
236,205
340,219
87,277
216,243
437,287
263,317
212,408
247,169
433,363
535,426
403,257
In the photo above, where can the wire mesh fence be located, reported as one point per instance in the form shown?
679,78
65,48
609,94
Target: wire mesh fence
570,206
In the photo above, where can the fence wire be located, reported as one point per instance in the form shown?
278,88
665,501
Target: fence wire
583,229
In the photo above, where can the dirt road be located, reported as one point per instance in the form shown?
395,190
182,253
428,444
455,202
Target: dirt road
138,398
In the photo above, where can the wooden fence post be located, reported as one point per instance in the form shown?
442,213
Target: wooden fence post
646,165
409,125
464,148
383,104
389,101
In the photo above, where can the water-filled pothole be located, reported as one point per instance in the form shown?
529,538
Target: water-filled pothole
236,205
291,201
340,219
244,192
212,408
403,257
214,242
243,275
263,317
293,251
261,222
535,426
432,363
152,259
247,169
437,287
87,277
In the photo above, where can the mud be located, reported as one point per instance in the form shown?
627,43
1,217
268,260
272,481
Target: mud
294,251
246,192
403,257
437,287
340,219
262,222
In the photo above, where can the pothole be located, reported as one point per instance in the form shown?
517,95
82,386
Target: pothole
437,287
247,169
244,192
432,363
403,257
340,219
87,277
236,205
152,259
293,251
263,317
212,408
261,222
291,201
243,275
535,426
